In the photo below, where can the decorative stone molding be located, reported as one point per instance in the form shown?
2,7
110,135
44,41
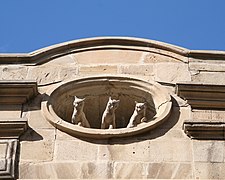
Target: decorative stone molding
96,90
204,129
12,128
206,96
8,158
17,92
10,131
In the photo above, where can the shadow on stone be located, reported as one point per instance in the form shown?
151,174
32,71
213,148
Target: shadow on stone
31,135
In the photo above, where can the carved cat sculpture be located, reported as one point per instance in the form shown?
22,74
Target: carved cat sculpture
138,115
108,117
78,116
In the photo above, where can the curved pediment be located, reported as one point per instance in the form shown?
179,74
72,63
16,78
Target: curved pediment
93,44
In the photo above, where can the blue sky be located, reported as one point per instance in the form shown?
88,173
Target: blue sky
27,25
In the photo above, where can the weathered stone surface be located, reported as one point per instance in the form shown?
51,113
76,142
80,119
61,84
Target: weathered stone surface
38,134
44,74
101,69
129,170
146,70
172,72
62,61
37,150
207,66
209,77
66,170
13,72
201,115
76,150
218,115
130,152
67,73
163,56
170,151
36,119
208,151
209,170
109,57
169,171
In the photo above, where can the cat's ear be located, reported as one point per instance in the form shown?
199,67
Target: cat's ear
135,102
110,98
118,101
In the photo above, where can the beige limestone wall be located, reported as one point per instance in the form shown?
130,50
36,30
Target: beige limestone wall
165,152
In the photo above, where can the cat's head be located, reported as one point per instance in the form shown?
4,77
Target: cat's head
113,103
140,107
78,103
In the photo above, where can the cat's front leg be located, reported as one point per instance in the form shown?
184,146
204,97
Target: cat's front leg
144,119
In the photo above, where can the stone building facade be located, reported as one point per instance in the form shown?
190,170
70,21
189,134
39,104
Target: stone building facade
181,138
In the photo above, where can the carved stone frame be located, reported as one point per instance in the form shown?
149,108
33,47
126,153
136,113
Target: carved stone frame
155,89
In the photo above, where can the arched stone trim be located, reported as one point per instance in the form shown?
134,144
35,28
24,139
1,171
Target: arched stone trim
57,108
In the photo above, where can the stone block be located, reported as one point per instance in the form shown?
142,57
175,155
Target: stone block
177,118
101,69
66,170
209,170
207,66
129,170
209,77
10,111
139,151
218,115
96,170
109,57
156,56
38,134
60,135
36,119
75,150
201,115
68,72
37,150
169,171
28,170
3,150
12,72
208,151
143,69
62,61
170,151
172,72
44,74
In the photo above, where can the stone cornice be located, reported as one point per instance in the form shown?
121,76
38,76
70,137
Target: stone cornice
46,54
17,92
204,129
205,96
12,128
